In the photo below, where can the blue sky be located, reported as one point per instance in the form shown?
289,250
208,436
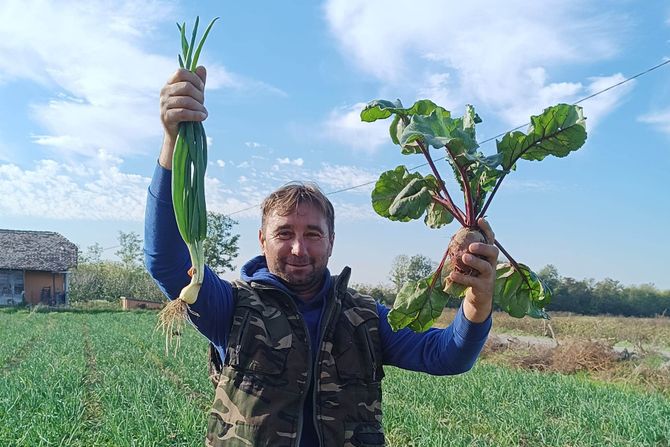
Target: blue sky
80,133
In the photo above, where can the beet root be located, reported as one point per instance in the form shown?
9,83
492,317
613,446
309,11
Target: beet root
458,246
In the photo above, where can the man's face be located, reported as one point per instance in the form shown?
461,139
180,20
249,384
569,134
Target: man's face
297,246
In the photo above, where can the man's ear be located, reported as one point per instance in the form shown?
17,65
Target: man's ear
261,239
332,242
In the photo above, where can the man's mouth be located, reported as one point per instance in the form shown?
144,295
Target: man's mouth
298,264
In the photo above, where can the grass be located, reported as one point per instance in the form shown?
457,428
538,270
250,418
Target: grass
103,379
496,406
99,379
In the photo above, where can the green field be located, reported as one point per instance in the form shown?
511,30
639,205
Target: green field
103,379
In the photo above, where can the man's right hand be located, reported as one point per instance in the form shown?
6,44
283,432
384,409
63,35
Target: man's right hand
182,99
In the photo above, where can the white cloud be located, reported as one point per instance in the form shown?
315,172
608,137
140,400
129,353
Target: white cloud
598,107
660,120
94,58
221,163
4,150
246,192
497,55
224,78
348,212
512,184
100,190
243,200
595,109
344,125
243,165
288,161
437,87
71,191
253,144
337,177
101,103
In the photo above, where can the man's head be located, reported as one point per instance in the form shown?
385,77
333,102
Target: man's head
297,234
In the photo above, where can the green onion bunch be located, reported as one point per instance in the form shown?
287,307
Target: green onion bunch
189,162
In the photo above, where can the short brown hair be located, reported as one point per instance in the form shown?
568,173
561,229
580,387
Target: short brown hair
286,199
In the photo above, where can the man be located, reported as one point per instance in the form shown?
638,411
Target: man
302,354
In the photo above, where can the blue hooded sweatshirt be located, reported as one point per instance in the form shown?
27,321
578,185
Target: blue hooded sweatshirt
452,350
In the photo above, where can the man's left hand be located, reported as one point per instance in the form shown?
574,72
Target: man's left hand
478,300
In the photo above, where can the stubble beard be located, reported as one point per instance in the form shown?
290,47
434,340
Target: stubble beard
301,282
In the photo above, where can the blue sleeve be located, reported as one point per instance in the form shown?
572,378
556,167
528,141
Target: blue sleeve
167,260
452,350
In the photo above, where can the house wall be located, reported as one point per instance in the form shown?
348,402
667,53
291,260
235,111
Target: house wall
36,281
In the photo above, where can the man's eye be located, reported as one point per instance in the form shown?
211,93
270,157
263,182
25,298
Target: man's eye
314,236
284,235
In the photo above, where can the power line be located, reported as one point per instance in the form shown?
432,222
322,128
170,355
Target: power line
593,95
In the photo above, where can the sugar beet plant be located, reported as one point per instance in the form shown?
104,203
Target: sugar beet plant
189,162
400,195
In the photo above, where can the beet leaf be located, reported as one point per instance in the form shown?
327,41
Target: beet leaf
400,195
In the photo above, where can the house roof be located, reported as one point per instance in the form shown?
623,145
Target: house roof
36,250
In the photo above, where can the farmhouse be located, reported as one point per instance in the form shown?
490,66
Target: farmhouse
34,267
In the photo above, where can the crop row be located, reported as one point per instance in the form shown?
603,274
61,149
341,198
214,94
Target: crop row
141,403
42,395
497,406
19,334
104,379
99,379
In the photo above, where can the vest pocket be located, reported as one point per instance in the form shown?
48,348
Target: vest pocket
223,434
363,434
257,344
356,347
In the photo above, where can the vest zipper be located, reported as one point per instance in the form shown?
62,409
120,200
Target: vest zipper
373,357
238,338
301,418
325,325
238,341
301,421
310,370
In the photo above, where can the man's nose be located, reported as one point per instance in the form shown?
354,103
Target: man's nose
298,246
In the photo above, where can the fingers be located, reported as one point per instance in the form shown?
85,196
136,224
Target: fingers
183,88
486,228
184,102
483,266
465,280
177,108
490,252
182,99
184,75
202,74
178,115
482,257
185,83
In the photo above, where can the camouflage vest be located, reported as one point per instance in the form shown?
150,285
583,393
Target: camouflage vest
267,372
